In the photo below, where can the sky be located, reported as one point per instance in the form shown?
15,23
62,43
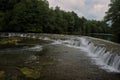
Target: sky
90,9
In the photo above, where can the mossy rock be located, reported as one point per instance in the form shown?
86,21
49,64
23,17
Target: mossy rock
2,74
9,40
30,73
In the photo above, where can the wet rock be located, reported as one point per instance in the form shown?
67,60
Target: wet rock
2,74
30,73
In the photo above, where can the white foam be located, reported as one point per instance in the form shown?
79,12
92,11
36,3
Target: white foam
98,54
56,42
35,48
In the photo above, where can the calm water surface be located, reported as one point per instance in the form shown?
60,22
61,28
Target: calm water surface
109,37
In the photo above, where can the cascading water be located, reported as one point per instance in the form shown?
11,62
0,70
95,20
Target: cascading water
105,59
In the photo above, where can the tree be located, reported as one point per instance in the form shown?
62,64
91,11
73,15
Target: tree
6,7
113,15
26,17
36,16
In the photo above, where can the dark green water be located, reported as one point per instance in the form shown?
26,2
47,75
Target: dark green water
109,37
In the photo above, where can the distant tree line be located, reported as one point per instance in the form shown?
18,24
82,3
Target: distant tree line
36,16
113,15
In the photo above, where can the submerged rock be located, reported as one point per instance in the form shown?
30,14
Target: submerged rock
2,74
30,73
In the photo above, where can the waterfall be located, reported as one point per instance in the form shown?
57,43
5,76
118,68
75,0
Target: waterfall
110,59
105,59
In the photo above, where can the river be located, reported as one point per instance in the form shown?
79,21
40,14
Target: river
41,58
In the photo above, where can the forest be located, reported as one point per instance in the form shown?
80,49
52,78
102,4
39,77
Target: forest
36,16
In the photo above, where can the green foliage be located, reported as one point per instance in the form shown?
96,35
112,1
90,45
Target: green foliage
36,16
113,15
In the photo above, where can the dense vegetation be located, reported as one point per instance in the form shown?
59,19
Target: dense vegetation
36,16
113,15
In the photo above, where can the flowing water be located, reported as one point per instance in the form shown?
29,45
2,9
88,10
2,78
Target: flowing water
105,59
57,57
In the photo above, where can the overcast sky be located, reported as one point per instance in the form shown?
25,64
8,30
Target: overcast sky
90,9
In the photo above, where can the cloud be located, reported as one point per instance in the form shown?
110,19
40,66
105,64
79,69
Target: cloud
99,7
91,9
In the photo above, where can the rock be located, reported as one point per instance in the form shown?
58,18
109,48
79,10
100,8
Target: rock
30,73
